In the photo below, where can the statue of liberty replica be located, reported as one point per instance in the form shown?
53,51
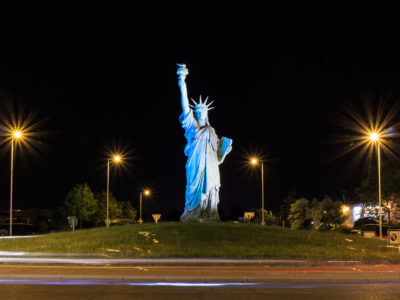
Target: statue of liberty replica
205,151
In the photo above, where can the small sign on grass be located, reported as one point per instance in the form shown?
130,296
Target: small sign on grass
394,237
156,217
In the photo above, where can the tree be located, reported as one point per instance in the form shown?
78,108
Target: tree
285,206
390,184
299,215
326,213
128,211
316,214
114,207
80,202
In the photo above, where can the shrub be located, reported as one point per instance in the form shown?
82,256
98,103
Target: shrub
269,218
343,229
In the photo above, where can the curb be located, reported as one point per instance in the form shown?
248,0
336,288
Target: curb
170,261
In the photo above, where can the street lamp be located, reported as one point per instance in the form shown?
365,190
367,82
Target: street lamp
116,159
15,136
146,193
254,161
375,138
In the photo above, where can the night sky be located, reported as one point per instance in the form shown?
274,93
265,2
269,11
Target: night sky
110,83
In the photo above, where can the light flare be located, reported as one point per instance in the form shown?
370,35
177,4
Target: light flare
17,134
23,129
120,154
369,127
374,136
254,161
117,158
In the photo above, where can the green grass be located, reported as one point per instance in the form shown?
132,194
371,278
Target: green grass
208,240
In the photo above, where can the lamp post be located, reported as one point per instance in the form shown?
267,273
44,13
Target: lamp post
146,193
374,137
15,135
115,159
254,162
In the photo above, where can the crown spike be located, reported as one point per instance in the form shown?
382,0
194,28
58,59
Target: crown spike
209,104
194,102
201,102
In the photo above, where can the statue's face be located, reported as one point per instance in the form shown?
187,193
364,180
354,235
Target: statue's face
201,116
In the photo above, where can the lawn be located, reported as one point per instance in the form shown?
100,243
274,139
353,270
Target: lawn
207,240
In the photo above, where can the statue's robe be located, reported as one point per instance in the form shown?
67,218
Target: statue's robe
202,171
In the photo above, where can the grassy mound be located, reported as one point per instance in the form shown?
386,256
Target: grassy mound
208,240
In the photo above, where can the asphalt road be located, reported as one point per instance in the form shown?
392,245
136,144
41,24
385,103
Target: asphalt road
322,281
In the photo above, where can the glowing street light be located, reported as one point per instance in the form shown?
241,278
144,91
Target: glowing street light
116,159
146,193
14,136
369,131
254,161
375,138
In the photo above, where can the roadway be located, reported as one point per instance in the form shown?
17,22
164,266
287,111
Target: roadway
205,281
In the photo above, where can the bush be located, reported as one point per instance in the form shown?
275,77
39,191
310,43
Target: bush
324,227
343,229
269,218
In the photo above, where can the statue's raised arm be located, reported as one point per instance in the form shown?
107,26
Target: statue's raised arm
182,73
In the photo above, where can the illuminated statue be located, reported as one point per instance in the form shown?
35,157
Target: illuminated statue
205,151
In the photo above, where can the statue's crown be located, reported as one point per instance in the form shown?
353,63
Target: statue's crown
202,105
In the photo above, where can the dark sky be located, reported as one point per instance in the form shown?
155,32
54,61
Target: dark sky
111,81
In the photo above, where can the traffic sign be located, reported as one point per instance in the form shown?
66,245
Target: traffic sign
394,236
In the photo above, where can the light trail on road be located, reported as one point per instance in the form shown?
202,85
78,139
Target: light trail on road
180,281
104,282
272,285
